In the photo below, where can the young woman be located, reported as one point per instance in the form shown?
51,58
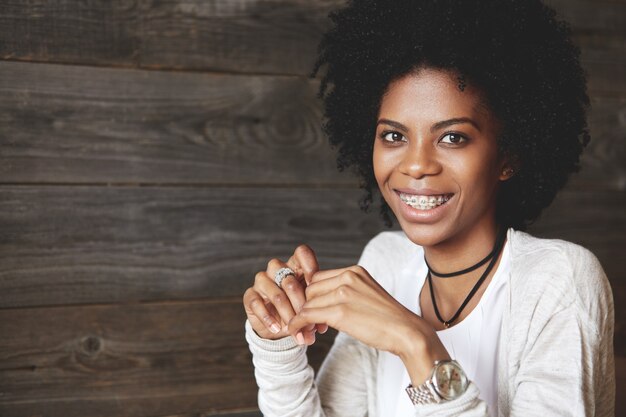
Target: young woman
467,116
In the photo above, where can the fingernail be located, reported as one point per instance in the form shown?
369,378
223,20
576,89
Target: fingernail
300,338
275,328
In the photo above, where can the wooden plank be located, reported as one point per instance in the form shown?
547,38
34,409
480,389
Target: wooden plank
152,359
64,245
75,244
604,160
255,36
592,17
72,124
69,124
605,65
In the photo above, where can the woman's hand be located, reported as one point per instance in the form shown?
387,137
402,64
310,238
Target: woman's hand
269,308
351,301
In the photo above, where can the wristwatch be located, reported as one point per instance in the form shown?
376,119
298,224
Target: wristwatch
447,382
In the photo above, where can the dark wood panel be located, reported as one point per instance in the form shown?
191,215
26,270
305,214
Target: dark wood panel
156,359
62,245
238,35
73,124
588,16
108,244
69,124
605,67
604,159
162,359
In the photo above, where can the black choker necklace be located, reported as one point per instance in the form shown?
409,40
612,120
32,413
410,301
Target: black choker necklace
493,255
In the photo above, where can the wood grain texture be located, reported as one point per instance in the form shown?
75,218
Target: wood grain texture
179,359
67,245
259,36
154,359
72,124
604,159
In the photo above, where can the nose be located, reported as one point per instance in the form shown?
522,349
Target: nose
420,160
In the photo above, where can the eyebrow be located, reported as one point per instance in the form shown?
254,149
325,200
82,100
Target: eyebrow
434,127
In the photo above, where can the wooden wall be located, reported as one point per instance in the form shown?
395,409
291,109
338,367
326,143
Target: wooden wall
155,154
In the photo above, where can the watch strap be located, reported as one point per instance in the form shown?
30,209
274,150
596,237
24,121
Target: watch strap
423,394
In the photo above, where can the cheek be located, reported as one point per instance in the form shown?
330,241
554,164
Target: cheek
378,161
478,176
384,161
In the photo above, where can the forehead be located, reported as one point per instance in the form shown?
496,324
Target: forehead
433,94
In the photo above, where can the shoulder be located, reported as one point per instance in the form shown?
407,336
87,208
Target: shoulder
557,274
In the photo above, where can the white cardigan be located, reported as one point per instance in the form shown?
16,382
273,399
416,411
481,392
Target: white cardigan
555,356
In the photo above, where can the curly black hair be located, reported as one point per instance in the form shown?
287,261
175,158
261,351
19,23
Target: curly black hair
518,54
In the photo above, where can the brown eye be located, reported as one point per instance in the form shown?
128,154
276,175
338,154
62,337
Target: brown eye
391,136
453,138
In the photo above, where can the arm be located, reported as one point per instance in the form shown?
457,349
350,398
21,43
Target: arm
566,363
559,373
347,378
284,377
286,381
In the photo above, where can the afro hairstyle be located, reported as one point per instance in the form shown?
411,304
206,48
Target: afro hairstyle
518,54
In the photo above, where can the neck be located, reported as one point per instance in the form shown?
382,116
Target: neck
463,250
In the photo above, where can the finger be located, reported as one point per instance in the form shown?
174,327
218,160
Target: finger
274,295
321,328
256,307
319,288
339,295
295,291
291,285
304,261
330,316
330,273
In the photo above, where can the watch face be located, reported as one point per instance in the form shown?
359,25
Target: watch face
450,380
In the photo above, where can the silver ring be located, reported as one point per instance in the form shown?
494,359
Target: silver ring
281,274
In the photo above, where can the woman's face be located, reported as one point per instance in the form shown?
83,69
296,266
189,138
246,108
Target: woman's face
436,147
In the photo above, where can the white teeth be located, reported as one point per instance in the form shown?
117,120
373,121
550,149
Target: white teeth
424,202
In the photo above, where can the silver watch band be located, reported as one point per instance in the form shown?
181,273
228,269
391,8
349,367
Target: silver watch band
423,394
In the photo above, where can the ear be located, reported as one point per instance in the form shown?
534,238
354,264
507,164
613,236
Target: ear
508,168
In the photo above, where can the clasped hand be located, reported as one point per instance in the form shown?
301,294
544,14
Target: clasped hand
347,299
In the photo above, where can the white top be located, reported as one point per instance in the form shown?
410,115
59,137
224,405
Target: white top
473,342
555,355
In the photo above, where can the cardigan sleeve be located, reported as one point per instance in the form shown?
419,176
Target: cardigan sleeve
284,377
566,365
286,381
559,374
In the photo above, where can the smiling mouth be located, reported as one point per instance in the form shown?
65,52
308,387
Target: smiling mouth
424,202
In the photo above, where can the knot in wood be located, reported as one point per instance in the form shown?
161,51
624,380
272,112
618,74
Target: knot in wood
91,345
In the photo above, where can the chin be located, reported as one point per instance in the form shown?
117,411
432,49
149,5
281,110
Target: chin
423,234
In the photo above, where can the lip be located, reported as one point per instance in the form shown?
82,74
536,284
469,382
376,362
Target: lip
422,216
421,191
